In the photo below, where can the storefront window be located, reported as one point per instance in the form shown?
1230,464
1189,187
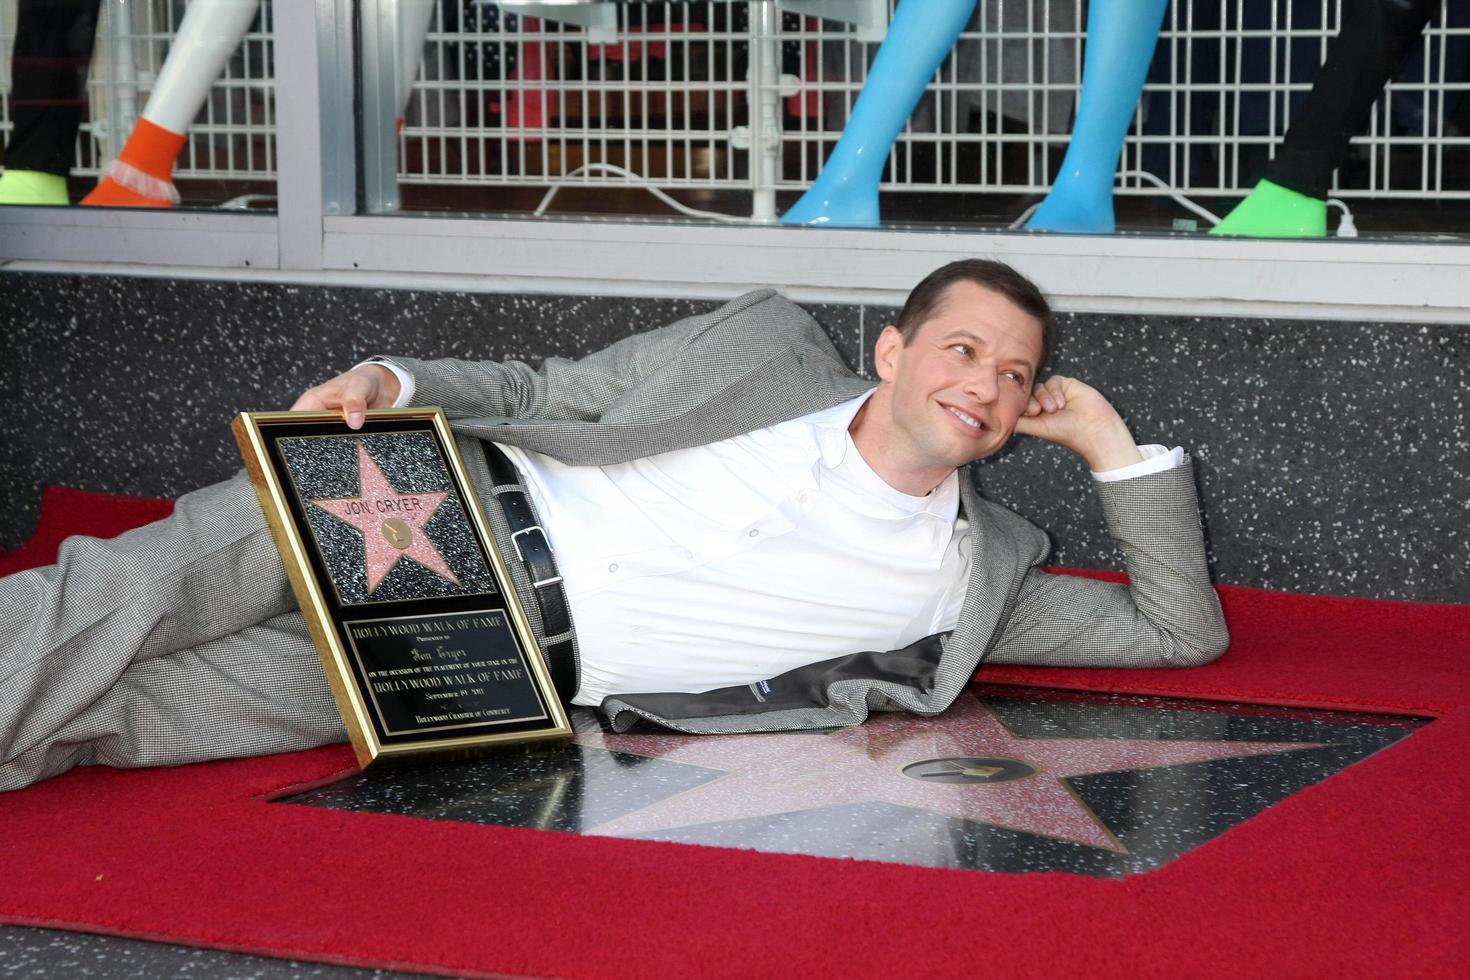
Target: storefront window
736,108
154,104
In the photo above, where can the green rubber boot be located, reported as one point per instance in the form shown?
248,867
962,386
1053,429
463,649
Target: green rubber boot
1273,211
32,187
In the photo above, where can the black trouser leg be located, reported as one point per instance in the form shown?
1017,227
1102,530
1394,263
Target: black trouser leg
1375,37
53,47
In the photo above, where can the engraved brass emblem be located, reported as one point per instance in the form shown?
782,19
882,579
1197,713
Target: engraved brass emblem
397,533
968,769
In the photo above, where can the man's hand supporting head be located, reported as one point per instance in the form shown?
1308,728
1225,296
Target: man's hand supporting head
1074,415
365,386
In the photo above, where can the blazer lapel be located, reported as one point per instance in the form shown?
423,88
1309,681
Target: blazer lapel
1003,548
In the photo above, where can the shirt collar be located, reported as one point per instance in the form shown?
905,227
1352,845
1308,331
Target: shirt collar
831,425
834,443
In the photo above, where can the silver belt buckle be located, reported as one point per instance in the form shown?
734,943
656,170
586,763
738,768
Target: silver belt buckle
515,540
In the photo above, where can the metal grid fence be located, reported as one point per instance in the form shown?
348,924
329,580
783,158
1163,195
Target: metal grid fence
504,98
688,94
1218,98
233,137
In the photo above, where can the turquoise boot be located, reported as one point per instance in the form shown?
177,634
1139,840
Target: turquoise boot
846,192
1121,37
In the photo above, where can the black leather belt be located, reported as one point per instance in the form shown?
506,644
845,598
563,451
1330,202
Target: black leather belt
534,550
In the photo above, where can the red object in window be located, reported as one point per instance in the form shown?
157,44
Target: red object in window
529,108
633,50
808,104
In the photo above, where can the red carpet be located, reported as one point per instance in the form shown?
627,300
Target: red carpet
65,512
1364,875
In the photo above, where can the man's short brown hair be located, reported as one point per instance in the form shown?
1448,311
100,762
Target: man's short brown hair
928,296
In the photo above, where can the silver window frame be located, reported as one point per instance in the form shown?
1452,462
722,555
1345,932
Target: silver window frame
315,237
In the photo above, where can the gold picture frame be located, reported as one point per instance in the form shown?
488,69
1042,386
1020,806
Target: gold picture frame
423,639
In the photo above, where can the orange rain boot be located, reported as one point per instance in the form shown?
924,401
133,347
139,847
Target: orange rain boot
142,175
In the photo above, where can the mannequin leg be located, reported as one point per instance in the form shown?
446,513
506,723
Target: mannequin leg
48,70
1290,200
1273,211
142,175
846,192
414,17
1121,36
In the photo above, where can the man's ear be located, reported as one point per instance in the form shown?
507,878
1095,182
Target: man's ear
886,351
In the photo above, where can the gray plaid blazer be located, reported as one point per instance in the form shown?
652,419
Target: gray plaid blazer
760,360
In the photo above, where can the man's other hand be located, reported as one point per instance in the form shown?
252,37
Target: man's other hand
365,386
1072,414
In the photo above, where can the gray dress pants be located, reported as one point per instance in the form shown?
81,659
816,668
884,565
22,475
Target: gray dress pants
172,643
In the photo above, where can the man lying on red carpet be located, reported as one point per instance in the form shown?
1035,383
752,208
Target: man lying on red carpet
731,512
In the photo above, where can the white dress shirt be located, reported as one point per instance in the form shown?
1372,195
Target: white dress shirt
730,563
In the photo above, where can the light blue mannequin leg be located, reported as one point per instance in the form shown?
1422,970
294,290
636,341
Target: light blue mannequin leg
846,192
1121,36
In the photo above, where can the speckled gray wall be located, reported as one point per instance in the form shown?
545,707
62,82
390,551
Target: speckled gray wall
1332,457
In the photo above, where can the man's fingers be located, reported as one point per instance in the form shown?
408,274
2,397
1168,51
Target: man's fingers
1050,396
322,398
352,393
356,397
358,391
312,400
1039,426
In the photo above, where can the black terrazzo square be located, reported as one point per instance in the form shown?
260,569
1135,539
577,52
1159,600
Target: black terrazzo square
1005,780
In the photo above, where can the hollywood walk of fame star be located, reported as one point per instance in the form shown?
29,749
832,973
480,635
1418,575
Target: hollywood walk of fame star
391,523
768,775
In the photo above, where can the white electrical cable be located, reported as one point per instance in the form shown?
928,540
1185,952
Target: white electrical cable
1178,197
1346,228
1025,215
645,184
244,201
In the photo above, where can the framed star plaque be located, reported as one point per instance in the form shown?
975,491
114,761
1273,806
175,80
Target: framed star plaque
423,639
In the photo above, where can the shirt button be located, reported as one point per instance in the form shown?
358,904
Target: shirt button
804,496
685,554
755,531
613,567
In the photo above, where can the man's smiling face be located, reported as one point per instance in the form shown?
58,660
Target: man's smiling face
953,392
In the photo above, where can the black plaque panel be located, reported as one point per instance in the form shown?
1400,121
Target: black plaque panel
441,672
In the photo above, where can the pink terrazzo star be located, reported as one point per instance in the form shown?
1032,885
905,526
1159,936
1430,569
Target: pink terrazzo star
768,775
391,523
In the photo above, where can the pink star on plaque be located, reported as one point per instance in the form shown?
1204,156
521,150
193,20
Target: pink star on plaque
964,763
391,523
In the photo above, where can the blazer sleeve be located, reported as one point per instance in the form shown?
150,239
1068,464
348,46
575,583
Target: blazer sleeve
1167,616
563,389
